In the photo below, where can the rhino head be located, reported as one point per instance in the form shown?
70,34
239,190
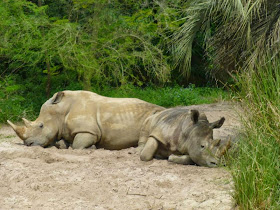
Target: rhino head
198,140
45,129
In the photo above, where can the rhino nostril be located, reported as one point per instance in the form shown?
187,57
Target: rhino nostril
213,163
29,144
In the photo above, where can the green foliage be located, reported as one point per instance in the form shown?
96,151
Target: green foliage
236,34
58,45
103,43
98,43
256,169
168,96
11,101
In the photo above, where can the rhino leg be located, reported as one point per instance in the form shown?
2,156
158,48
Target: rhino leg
141,144
149,149
182,159
84,140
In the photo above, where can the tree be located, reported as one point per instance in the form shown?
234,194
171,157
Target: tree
236,33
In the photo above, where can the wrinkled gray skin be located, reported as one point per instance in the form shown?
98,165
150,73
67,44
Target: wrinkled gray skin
85,119
181,135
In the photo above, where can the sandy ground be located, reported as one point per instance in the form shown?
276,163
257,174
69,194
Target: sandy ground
38,178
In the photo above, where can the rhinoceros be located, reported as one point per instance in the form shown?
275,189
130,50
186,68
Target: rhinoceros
85,119
181,135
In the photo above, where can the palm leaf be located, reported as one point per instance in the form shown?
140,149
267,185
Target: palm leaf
236,32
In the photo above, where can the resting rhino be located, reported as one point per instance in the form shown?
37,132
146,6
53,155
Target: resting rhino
181,135
84,118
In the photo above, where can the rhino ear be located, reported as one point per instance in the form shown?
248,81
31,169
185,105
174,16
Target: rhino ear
57,98
203,117
194,116
218,123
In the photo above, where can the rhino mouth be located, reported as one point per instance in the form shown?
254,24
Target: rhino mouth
212,164
28,143
216,164
33,143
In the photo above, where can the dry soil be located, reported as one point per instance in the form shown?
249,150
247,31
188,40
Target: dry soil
38,178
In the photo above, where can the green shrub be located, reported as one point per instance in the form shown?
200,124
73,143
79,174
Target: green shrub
256,169
168,96
11,101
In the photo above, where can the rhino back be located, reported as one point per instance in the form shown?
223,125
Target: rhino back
116,121
167,126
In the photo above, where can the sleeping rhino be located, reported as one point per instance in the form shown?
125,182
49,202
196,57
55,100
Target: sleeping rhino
183,136
84,119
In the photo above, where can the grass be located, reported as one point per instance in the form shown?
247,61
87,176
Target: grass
6,137
256,168
15,106
169,96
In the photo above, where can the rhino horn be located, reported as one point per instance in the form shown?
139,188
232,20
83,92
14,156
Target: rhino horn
27,122
20,130
226,147
217,142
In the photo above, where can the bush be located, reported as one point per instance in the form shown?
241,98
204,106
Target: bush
11,101
168,96
256,169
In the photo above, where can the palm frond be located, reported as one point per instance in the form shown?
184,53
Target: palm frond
183,39
236,33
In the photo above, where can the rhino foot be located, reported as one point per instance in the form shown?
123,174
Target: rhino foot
84,141
182,159
61,144
149,149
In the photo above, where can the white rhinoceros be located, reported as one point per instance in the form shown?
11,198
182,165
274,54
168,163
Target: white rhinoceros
84,119
181,135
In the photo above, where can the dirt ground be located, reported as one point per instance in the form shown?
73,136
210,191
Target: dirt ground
38,178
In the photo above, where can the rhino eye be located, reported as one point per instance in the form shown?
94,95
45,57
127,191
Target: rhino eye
41,125
202,146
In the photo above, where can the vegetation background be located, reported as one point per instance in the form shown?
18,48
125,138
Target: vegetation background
169,52
47,46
